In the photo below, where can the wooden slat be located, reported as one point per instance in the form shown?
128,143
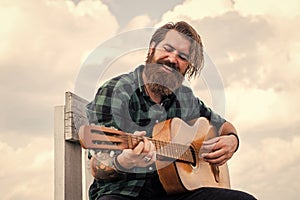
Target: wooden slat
68,152
73,171
59,153
75,115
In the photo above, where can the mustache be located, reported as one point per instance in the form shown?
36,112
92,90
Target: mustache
169,64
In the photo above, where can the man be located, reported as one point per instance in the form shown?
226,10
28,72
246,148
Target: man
137,101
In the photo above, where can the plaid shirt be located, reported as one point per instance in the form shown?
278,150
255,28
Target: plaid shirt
123,103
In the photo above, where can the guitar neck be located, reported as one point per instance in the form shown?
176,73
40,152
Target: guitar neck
165,149
97,137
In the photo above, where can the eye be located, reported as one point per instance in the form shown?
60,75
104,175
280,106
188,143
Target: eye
168,48
183,57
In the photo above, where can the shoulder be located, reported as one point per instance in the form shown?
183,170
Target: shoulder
185,92
185,89
125,83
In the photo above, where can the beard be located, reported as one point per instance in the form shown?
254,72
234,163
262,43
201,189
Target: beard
159,81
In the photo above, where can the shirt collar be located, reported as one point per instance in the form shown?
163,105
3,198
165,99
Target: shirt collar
139,79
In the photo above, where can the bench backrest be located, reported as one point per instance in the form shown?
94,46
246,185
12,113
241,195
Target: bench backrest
70,171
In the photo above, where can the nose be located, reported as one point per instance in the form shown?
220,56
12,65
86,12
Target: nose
172,57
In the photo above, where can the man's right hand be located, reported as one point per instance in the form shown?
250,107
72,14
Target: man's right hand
143,155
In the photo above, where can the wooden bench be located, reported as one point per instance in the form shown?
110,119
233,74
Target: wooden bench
71,171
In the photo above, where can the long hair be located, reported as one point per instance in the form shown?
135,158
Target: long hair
196,50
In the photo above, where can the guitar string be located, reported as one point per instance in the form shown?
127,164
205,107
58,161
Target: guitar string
173,150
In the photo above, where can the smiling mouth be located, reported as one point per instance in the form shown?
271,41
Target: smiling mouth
167,69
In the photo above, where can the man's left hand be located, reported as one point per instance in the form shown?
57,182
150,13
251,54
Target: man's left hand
219,149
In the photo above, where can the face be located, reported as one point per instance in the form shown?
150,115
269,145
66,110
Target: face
173,49
168,63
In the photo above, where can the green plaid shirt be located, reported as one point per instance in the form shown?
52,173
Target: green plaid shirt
123,103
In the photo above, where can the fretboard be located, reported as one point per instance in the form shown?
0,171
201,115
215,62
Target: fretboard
166,149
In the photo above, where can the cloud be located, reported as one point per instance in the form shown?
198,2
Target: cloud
126,11
289,9
250,107
197,9
27,171
140,21
268,164
44,44
255,47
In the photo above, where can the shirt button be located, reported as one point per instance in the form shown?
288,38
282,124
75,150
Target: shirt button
156,121
150,168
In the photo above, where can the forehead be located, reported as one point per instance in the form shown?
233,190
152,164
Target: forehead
176,40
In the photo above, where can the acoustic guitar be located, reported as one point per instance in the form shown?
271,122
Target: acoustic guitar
178,149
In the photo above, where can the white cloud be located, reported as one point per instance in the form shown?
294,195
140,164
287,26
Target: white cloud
52,33
268,164
197,9
41,50
255,46
27,171
250,107
43,46
289,8
140,21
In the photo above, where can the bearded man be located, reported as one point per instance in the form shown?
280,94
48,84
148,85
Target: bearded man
137,101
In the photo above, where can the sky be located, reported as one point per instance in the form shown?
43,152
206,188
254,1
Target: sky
253,45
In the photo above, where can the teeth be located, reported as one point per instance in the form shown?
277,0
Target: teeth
168,68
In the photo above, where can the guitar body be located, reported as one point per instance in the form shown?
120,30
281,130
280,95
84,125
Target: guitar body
177,176
178,149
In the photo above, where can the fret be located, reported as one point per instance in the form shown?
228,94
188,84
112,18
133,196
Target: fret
130,143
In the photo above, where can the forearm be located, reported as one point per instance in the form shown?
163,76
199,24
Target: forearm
228,130
102,166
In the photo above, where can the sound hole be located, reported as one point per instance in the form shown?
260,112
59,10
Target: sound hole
194,163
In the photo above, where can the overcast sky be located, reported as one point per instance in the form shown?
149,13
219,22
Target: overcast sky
254,46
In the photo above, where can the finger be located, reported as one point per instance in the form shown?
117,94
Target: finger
147,146
221,144
140,133
139,148
207,147
218,157
152,149
213,160
211,141
151,155
154,156
218,161
213,155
